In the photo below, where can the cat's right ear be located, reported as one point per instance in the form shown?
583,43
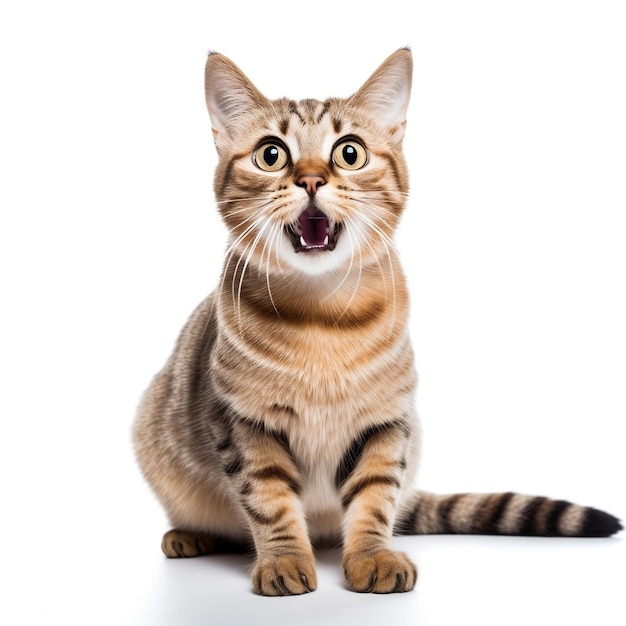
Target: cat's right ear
229,95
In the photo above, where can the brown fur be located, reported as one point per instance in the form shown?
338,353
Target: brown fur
285,415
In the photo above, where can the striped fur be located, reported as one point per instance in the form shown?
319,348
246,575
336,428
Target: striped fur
285,416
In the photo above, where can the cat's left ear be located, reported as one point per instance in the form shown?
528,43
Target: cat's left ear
387,91
229,96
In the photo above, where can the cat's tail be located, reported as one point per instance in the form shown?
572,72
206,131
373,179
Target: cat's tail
501,514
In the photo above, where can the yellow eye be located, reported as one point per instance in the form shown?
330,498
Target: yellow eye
270,157
350,155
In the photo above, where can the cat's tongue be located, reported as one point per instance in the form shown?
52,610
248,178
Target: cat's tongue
315,228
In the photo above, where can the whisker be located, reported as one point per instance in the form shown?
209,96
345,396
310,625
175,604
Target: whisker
376,207
275,231
375,203
347,272
250,251
233,200
386,239
372,192
234,229
232,248
279,232
249,208
348,225
384,274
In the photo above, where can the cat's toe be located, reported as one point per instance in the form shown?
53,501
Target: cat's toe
284,575
384,571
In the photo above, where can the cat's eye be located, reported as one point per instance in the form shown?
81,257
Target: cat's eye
271,157
350,155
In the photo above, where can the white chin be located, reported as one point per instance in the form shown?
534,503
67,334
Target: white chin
315,262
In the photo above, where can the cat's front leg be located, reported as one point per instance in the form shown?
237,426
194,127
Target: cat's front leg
269,485
370,480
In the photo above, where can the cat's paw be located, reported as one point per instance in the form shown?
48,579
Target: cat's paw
284,575
384,571
182,544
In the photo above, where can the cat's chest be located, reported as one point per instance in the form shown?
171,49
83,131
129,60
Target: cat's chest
322,387
304,370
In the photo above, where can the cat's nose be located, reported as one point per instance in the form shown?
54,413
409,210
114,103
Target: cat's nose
311,182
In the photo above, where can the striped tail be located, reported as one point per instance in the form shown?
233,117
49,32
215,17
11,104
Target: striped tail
502,514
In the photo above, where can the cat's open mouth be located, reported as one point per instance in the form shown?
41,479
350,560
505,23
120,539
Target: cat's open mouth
313,231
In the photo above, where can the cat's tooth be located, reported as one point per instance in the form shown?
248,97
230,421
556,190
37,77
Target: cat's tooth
326,240
303,242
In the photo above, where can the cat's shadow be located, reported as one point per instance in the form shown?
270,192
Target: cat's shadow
217,589
241,563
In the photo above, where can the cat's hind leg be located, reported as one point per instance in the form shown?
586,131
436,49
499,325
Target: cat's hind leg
183,544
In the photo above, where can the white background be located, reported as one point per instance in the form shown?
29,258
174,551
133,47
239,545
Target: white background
513,240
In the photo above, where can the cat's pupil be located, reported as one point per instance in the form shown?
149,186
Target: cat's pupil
270,155
349,155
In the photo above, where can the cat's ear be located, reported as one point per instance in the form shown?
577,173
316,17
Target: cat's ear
229,95
387,91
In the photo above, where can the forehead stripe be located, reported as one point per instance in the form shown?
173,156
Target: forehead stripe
293,108
323,112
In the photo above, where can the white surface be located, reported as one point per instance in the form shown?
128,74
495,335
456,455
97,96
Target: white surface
513,241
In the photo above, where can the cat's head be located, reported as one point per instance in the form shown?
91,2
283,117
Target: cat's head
310,186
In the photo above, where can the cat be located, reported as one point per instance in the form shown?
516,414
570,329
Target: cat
285,416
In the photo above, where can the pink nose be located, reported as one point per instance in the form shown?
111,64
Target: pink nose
311,183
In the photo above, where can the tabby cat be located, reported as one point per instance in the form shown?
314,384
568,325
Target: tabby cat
285,416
